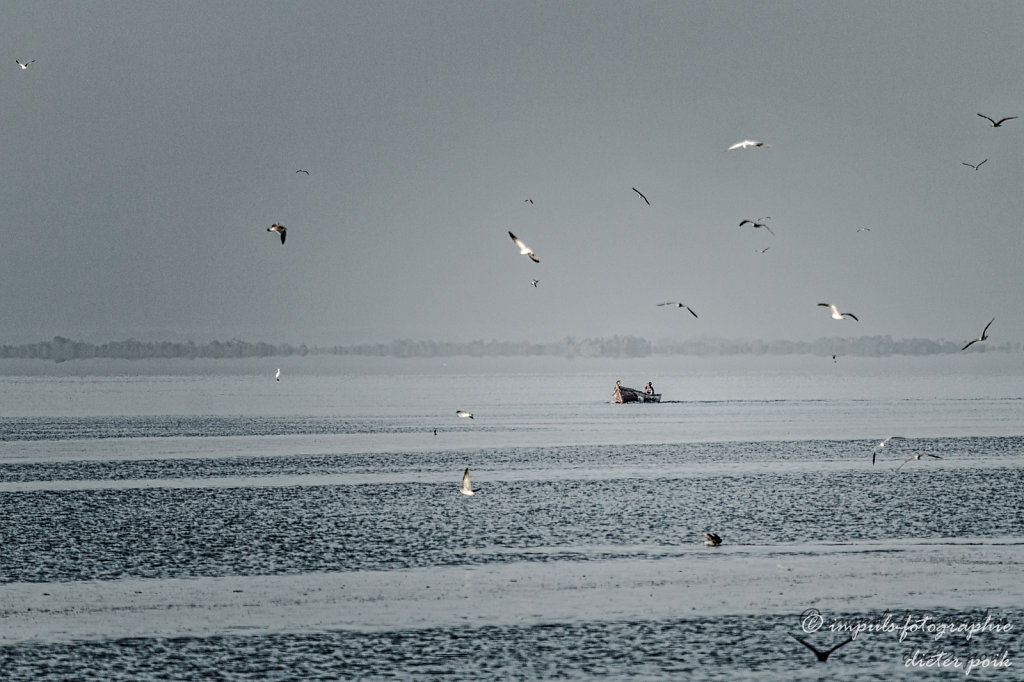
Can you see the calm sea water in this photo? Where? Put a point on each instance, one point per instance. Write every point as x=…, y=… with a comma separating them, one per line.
x=336, y=489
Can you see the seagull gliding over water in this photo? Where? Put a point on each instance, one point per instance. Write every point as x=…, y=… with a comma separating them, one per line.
x=881, y=445
x=463, y=414
x=822, y=655
x=917, y=455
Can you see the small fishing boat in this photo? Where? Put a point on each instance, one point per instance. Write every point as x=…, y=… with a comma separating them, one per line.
x=633, y=395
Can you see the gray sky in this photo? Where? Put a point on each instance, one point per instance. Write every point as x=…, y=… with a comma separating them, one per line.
x=150, y=145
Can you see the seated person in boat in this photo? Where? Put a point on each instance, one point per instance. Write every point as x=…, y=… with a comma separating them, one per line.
x=650, y=389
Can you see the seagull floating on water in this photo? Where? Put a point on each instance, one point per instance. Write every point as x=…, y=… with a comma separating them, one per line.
x=523, y=248
x=822, y=655
x=680, y=305
x=712, y=540
x=760, y=222
x=917, y=455
x=464, y=414
x=972, y=165
x=467, y=489
x=984, y=335
x=280, y=229
x=642, y=196
x=874, y=453
x=748, y=143
x=278, y=374
x=836, y=315
x=991, y=122
x=23, y=65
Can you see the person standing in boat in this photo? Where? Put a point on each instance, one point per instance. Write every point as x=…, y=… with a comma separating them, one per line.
x=650, y=388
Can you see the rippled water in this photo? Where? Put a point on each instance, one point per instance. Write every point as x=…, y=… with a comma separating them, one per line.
x=282, y=491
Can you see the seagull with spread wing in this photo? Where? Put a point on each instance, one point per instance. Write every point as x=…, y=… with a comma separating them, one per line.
x=984, y=335
x=642, y=196
x=836, y=315
x=822, y=654
x=523, y=248
x=748, y=143
x=467, y=488
x=971, y=165
x=280, y=229
x=679, y=305
x=760, y=222
x=992, y=123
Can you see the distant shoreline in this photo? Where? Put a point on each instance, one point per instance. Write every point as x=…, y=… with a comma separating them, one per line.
x=61, y=349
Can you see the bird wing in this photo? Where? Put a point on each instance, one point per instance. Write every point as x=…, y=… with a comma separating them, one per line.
x=843, y=643
x=805, y=643
x=744, y=222
x=1005, y=118
x=987, y=118
x=970, y=343
x=984, y=332
x=641, y=195
x=851, y=315
x=691, y=310
x=979, y=165
x=465, y=480
x=768, y=228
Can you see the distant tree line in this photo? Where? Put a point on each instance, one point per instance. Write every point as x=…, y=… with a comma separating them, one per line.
x=61, y=349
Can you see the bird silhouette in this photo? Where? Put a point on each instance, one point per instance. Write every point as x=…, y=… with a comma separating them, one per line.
x=822, y=655
x=984, y=335
x=972, y=165
x=642, y=196
x=679, y=305
x=993, y=123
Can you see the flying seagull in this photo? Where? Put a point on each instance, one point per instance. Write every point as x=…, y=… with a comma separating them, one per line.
x=747, y=143
x=302, y=171
x=25, y=65
x=759, y=223
x=868, y=229
x=467, y=488
x=523, y=248
x=464, y=414
x=642, y=196
x=972, y=165
x=917, y=455
x=836, y=315
x=874, y=453
x=712, y=540
x=822, y=655
x=680, y=305
x=984, y=335
x=991, y=122
x=280, y=229
x=534, y=282
x=278, y=374
x=528, y=201
x=764, y=250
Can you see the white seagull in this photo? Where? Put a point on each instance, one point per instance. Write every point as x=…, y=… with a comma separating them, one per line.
x=972, y=165
x=748, y=143
x=874, y=453
x=464, y=414
x=523, y=248
x=280, y=229
x=712, y=539
x=23, y=65
x=821, y=654
x=278, y=374
x=991, y=122
x=680, y=305
x=917, y=455
x=642, y=196
x=467, y=488
x=836, y=315
x=760, y=222
x=984, y=335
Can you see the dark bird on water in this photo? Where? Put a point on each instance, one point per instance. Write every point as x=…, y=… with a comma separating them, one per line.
x=984, y=335
x=991, y=122
x=280, y=229
x=642, y=196
x=712, y=539
x=822, y=655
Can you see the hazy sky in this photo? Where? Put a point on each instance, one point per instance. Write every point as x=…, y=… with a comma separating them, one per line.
x=151, y=144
